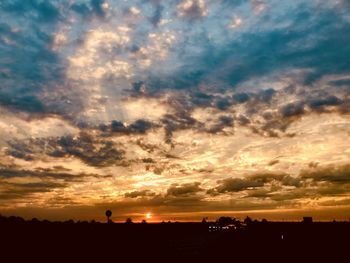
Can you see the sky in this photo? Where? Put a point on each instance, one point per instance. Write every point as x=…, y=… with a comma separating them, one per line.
x=181, y=109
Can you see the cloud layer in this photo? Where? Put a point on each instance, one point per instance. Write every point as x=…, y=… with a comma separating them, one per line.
x=174, y=106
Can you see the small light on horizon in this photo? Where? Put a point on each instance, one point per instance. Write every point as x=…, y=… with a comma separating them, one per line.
x=148, y=215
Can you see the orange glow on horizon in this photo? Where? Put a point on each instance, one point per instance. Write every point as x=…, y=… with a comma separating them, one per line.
x=148, y=215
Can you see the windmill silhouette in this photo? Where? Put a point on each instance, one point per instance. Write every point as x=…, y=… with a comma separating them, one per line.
x=108, y=214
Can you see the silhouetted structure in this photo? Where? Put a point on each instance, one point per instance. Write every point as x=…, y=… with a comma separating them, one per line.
x=128, y=221
x=248, y=220
x=108, y=214
x=307, y=219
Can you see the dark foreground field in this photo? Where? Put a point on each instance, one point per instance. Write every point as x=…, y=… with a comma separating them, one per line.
x=175, y=242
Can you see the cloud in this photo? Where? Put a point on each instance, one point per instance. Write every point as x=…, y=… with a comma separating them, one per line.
x=13, y=191
x=181, y=120
x=314, y=183
x=319, y=103
x=292, y=109
x=236, y=185
x=192, y=9
x=18, y=185
x=56, y=173
x=13, y=188
x=99, y=7
x=223, y=122
x=84, y=147
x=44, y=11
x=157, y=15
x=184, y=189
x=142, y=193
x=241, y=97
x=330, y=174
x=139, y=126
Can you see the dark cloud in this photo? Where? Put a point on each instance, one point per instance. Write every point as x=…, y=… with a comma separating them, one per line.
x=41, y=173
x=138, y=127
x=319, y=103
x=202, y=99
x=242, y=120
x=102, y=153
x=222, y=122
x=179, y=121
x=31, y=66
x=292, y=109
x=150, y=148
x=157, y=15
x=97, y=7
x=142, y=193
x=223, y=103
x=313, y=183
x=139, y=86
x=241, y=97
x=254, y=105
x=341, y=82
x=44, y=11
x=87, y=148
x=81, y=8
x=184, y=189
x=262, y=103
x=273, y=162
x=20, y=150
x=26, y=103
x=237, y=185
x=12, y=191
x=266, y=95
x=252, y=182
x=46, y=180
x=117, y=126
x=340, y=175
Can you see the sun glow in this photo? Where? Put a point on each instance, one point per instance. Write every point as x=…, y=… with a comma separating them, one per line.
x=148, y=215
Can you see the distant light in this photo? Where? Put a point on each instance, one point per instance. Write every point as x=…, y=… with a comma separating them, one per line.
x=148, y=215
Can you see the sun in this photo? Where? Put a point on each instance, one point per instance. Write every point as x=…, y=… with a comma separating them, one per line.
x=148, y=215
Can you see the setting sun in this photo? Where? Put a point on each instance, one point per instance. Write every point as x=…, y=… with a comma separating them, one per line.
x=148, y=215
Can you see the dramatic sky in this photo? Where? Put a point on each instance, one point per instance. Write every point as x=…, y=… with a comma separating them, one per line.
x=179, y=108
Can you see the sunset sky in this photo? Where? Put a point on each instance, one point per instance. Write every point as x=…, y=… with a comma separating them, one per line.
x=180, y=109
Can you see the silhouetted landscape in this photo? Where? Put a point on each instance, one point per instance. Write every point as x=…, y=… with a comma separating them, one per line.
x=226, y=238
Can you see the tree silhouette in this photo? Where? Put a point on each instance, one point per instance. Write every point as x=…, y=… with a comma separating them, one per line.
x=108, y=214
x=128, y=221
x=248, y=220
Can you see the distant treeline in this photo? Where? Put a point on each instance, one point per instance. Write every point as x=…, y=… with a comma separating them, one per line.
x=223, y=221
x=226, y=238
